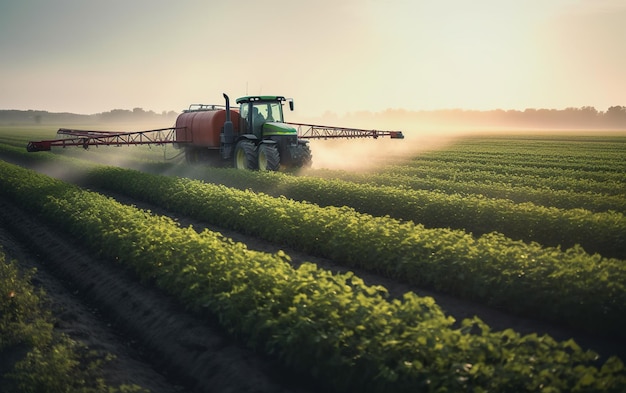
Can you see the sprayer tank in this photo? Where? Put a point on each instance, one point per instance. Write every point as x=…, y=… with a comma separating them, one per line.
x=203, y=127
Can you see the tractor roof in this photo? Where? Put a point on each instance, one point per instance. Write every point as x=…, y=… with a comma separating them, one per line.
x=259, y=98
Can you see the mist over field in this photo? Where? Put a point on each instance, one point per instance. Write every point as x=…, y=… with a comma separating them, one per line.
x=366, y=154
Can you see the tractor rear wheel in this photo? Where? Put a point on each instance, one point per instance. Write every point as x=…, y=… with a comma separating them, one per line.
x=268, y=157
x=306, y=157
x=245, y=155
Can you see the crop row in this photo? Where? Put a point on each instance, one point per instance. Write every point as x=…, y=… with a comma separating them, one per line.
x=496, y=173
x=602, y=153
x=518, y=160
x=602, y=232
x=333, y=327
x=571, y=286
x=507, y=163
x=35, y=357
x=560, y=161
x=286, y=184
x=542, y=195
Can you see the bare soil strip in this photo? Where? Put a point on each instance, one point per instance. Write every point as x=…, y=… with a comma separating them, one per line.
x=184, y=349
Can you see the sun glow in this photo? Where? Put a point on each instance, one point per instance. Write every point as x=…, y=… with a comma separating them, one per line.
x=417, y=55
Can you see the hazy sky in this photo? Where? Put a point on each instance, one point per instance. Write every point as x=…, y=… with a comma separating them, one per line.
x=90, y=56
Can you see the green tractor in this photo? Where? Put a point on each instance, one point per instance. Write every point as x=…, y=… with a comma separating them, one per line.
x=264, y=141
x=255, y=136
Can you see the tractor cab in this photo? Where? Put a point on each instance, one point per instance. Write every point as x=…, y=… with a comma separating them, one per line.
x=259, y=114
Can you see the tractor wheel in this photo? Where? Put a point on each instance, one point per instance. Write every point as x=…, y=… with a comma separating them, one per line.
x=245, y=155
x=307, y=157
x=269, y=158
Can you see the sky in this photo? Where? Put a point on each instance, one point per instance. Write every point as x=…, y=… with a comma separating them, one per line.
x=331, y=56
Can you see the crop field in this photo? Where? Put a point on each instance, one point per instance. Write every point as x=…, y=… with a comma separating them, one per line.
x=491, y=262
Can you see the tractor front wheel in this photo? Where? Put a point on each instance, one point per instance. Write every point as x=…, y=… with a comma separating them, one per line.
x=245, y=155
x=268, y=157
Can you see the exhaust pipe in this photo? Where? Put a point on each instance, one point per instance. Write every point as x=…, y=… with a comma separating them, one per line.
x=228, y=133
x=227, y=106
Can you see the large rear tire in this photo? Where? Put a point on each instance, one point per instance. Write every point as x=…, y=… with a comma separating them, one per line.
x=307, y=157
x=268, y=157
x=245, y=155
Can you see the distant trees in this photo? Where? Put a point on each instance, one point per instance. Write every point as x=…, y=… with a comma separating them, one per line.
x=586, y=117
x=137, y=114
x=616, y=116
x=115, y=115
x=30, y=116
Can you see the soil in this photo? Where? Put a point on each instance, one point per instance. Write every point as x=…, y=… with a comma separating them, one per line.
x=161, y=347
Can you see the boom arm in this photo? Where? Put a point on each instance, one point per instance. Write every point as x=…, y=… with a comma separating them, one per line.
x=311, y=131
x=86, y=138
x=161, y=136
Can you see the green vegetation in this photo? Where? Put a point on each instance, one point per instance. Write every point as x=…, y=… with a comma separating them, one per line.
x=572, y=287
x=601, y=232
x=586, y=291
x=331, y=326
x=36, y=358
x=480, y=219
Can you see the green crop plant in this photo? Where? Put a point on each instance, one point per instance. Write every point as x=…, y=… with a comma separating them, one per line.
x=331, y=326
x=570, y=286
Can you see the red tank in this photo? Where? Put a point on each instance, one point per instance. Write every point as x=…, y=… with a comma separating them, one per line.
x=203, y=127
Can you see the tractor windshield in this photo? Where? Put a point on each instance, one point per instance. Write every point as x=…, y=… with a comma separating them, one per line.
x=271, y=111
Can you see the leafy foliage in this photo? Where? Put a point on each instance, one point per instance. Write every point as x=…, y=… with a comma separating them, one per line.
x=331, y=326
x=571, y=286
x=52, y=362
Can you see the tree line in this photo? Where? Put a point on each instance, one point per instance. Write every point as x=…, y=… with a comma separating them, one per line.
x=586, y=117
x=112, y=116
